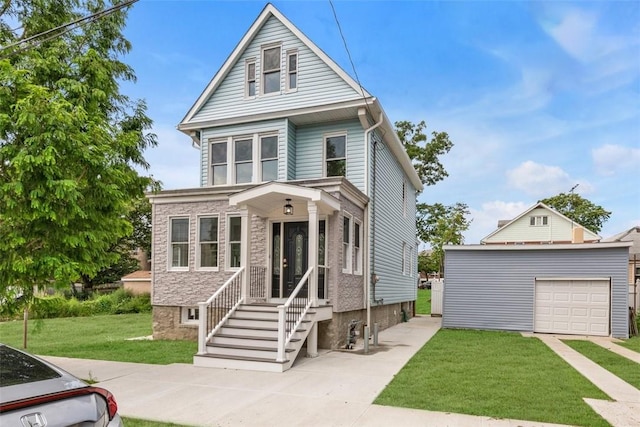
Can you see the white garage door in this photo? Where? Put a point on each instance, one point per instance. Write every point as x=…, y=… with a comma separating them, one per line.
x=572, y=306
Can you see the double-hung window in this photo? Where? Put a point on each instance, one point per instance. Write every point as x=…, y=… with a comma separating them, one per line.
x=271, y=70
x=250, y=71
x=243, y=157
x=208, y=242
x=179, y=241
x=234, y=236
x=357, y=248
x=335, y=155
x=269, y=158
x=346, y=244
x=292, y=70
x=219, y=162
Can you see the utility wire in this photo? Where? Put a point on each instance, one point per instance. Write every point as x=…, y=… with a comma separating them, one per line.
x=36, y=39
x=344, y=41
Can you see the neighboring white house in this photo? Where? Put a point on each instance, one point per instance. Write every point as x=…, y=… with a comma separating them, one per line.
x=307, y=202
x=540, y=224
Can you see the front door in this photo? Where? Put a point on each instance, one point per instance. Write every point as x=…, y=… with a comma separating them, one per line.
x=290, y=257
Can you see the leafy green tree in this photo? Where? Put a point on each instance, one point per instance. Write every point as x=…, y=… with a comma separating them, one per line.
x=70, y=145
x=427, y=262
x=140, y=239
x=441, y=225
x=424, y=152
x=580, y=210
x=436, y=224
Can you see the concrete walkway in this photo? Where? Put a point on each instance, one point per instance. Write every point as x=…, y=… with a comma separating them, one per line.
x=625, y=410
x=335, y=389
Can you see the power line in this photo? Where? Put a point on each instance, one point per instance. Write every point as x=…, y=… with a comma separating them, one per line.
x=35, y=40
x=355, y=72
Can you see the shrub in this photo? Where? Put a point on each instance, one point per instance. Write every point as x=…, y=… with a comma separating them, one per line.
x=118, y=302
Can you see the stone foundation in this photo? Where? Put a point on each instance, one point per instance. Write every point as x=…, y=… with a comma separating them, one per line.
x=167, y=326
x=331, y=333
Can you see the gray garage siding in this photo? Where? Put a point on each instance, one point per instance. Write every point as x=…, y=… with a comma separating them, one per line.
x=491, y=288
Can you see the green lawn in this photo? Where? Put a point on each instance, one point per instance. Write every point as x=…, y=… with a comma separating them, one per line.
x=632, y=344
x=423, y=305
x=98, y=337
x=620, y=366
x=495, y=374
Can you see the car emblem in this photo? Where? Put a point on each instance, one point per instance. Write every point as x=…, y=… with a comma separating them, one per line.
x=34, y=420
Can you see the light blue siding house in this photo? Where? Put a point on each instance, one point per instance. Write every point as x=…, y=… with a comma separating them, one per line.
x=305, y=217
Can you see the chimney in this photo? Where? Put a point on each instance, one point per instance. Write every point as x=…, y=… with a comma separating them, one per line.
x=578, y=235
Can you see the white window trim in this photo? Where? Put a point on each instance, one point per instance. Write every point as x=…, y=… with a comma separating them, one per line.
x=212, y=141
x=539, y=220
x=184, y=315
x=358, y=258
x=348, y=252
x=324, y=150
x=411, y=259
x=170, y=266
x=234, y=139
x=258, y=146
x=198, y=243
x=405, y=259
x=289, y=53
x=227, y=243
x=255, y=78
x=262, y=72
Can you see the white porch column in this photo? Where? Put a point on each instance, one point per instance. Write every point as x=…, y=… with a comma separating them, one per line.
x=245, y=250
x=312, y=208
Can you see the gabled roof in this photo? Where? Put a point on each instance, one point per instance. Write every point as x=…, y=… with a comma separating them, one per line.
x=268, y=11
x=536, y=206
x=630, y=235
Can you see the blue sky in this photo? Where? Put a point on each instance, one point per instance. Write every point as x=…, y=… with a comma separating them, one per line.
x=536, y=96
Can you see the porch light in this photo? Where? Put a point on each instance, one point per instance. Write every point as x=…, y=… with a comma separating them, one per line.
x=288, y=208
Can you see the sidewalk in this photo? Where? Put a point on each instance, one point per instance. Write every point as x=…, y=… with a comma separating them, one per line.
x=335, y=389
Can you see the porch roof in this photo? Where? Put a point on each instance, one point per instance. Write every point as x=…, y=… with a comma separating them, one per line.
x=270, y=197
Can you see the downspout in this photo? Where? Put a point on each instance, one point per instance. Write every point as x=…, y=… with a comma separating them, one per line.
x=368, y=218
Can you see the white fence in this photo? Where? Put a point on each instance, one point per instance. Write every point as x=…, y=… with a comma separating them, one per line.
x=437, y=288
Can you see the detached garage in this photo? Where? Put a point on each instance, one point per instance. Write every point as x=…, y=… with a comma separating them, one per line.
x=578, y=289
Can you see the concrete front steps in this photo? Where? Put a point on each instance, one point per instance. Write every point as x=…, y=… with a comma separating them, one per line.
x=249, y=339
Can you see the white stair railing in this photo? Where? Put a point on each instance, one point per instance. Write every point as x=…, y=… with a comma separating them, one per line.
x=218, y=308
x=292, y=313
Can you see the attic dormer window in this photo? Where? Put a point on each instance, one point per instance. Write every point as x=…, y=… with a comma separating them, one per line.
x=271, y=70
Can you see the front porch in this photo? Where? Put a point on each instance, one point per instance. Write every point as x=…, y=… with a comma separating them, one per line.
x=261, y=317
x=221, y=255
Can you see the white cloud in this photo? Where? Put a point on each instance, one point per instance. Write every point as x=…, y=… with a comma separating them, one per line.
x=485, y=219
x=609, y=158
x=539, y=180
x=574, y=33
x=174, y=161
